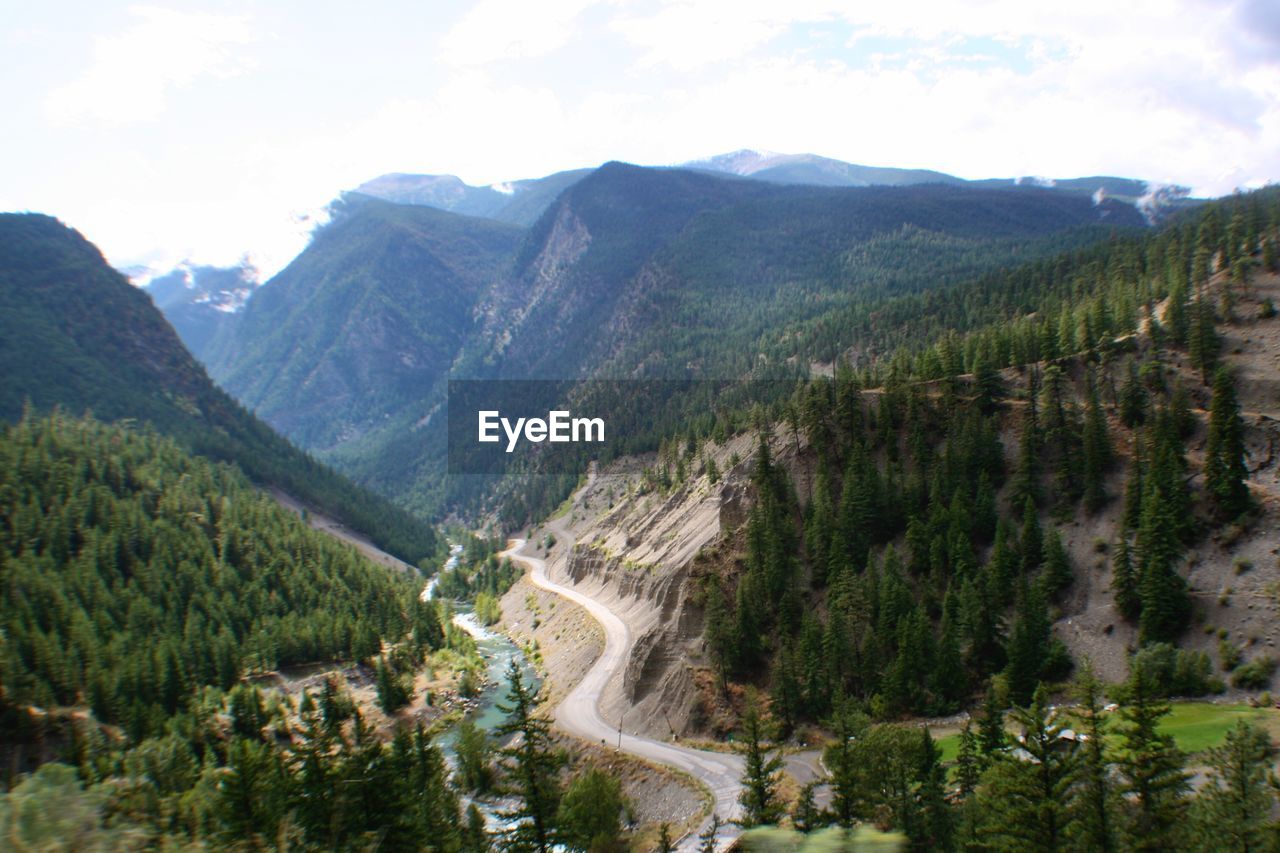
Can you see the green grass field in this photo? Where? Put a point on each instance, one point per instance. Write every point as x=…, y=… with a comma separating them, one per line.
x=1196, y=726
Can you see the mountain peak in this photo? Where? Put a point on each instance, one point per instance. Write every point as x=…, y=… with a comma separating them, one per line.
x=744, y=161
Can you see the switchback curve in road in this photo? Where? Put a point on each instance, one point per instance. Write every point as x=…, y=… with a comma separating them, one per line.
x=579, y=713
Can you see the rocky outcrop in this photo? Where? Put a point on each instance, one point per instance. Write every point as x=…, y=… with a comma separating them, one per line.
x=635, y=551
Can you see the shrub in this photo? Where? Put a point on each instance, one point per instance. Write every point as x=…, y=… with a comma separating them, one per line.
x=1228, y=655
x=1181, y=672
x=1256, y=674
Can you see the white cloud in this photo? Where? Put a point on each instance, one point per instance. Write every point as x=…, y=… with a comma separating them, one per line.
x=688, y=36
x=133, y=72
x=1152, y=90
x=1183, y=91
x=511, y=29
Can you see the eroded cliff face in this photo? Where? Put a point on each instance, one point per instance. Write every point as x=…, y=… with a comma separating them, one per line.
x=635, y=550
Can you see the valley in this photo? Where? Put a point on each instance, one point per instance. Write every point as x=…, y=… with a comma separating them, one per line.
x=639, y=427
x=944, y=468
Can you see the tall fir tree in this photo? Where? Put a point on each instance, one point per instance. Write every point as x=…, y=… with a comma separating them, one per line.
x=1204, y=341
x=1152, y=768
x=1028, y=645
x=1095, y=801
x=992, y=738
x=1133, y=398
x=1057, y=575
x=534, y=768
x=1096, y=449
x=1029, y=799
x=761, y=772
x=1233, y=811
x=1166, y=606
x=1032, y=539
x=1225, y=473
x=1124, y=581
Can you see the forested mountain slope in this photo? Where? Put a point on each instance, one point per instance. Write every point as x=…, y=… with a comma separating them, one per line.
x=365, y=321
x=74, y=333
x=630, y=272
x=137, y=574
x=144, y=592
x=1094, y=474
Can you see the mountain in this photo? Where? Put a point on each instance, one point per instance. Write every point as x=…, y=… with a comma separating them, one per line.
x=517, y=202
x=630, y=272
x=75, y=333
x=681, y=273
x=813, y=169
x=523, y=202
x=198, y=299
x=368, y=318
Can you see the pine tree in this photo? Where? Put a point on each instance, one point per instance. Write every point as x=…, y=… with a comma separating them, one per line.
x=474, y=757
x=1025, y=487
x=762, y=771
x=1032, y=539
x=1028, y=802
x=1124, y=582
x=950, y=681
x=992, y=738
x=1134, y=488
x=1166, y=606
x=428, y=805
x=1094, y=825
x=1060, y=436
x=1225, y=473
x=392, y=692
x=719, y=633
x=1028, y=645
x=1233, y=810
x=968, y=762
x=1151, y=768
x=475, y=838
x=936, y=826
x=988, y=386
x=1096, y=450
x=533, y=768
x=849, y=726
x=806, y=816
x=818, y=527
x=1176, y=313
x=1133, y=398
x=1057, y=574
x=787, y=696
x=1004, y=566
x=589, y=817
x=251, y=794
x=1204, y=343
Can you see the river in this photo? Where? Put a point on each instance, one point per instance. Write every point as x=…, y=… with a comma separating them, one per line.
x=497, y=652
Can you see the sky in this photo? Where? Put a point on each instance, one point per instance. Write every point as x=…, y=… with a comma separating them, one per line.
x=219, y=130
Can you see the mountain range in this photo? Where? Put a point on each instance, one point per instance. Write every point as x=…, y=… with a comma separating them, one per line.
x=198, y=299
x=627, y=272
x=522, y=202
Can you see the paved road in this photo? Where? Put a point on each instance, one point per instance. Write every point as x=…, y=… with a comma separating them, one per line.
x=579, y=713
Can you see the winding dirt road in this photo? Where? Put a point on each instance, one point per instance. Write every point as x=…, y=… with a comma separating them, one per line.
x=579, y=713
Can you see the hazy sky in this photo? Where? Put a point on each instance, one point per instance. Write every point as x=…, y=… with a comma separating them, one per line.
x=207, y=130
